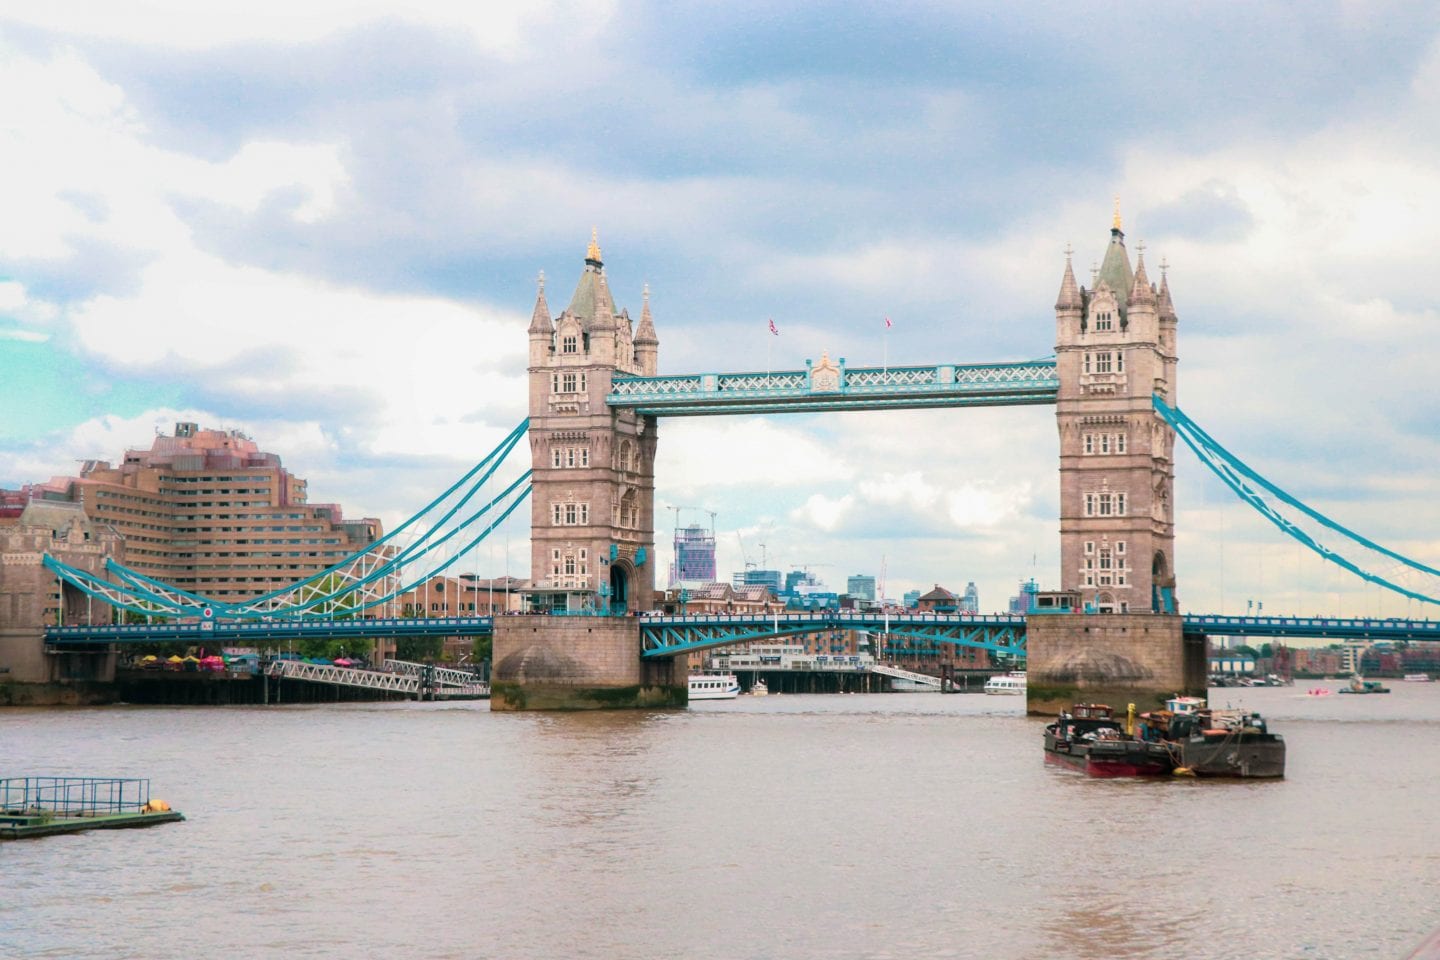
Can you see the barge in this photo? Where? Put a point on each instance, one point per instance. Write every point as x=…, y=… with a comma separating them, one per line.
x=45, y=806
x=1186, y=738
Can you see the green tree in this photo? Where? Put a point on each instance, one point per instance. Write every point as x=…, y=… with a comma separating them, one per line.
x=419, y=648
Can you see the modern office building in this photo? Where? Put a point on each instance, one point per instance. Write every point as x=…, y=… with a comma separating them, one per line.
x=861, y=587
x=694, y=556
x=762, y=578
x=970, y=603
x=209, y=512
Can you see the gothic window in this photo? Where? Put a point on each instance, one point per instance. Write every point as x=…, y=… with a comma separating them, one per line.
x=1104, y=321
x=1087, y=363
x=582, y=382
x=1105, y=504
x=1089, y=546
x=627, y=455
x=1119, y=361
x=1119, y=504
x=569, y=565
x=571, y=514
x=1104, y=443
x=569, y=344
x=554, y=383
x=1119, y=546
x=1089, y=443
x=569, y=456
x=556, y=514
x=584, y=456
x=1119, y=443
x=567, y=383
x=555, y=563
x=584, y=513
x=555, y=457
x=1107, y=560
x=1089, y=504
x=629, y=509
x=583, y=566
x=1102, y=362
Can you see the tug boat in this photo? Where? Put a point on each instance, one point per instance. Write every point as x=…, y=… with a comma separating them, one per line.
x=1186, y=738
x=1091, y=739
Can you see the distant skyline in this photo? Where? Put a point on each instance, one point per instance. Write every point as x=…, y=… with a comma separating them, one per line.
x=325, y=230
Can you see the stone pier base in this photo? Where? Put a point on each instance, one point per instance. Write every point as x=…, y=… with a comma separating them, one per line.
x=1119, y=659
x=580, y=663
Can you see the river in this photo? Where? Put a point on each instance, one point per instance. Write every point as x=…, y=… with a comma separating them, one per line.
x=841, y=826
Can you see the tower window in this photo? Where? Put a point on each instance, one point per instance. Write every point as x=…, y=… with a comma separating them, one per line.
x=1089, y=443
x=1119, y=443
x=569, y=344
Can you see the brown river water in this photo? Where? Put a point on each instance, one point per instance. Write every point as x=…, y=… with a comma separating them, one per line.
x=842, y=826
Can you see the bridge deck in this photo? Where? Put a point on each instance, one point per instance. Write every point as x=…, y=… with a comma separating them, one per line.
x=839, y=388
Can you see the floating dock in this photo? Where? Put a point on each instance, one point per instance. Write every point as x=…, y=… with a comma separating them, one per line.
x=45, y=806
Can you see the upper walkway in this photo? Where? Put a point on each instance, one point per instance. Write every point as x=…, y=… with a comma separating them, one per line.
x=831, y=386
x=664, y=635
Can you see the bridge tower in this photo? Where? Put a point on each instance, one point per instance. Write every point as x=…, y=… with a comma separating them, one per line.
x=1115, y=347
x=592, y=492
x=592, y=520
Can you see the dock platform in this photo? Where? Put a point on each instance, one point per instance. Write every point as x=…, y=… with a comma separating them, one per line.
x=46, y=806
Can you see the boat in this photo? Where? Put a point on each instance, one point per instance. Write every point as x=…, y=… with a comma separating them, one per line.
x=759, y=689
x=1358, y=685
x=1419, y=677
x=1216, y=743
x=1186, y=738
x=1010, y=684
x=1089, y=738
x=714, y=686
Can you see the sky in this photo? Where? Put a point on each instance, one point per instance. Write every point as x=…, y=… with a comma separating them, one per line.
x=322, y=224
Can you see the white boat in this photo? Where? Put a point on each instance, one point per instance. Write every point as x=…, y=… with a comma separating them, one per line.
x=1011, y=684
x=714, y=686
x=759, y=689
x=1418, y=677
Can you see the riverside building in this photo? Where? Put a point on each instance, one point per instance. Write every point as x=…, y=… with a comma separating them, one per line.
x=209, y=512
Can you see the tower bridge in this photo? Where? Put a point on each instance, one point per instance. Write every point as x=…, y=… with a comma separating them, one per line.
x=596, y=401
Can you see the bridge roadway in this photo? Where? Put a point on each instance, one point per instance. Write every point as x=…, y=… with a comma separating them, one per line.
x=665, y=635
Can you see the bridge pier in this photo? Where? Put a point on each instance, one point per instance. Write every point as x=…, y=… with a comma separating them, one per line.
x=1139, y=658
x=580, y=663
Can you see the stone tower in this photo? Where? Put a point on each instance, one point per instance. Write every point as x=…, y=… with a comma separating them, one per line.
x=592, y=492
x=1115, y=347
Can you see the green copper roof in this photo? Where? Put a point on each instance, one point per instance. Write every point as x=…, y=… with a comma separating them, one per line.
x=1115, y=270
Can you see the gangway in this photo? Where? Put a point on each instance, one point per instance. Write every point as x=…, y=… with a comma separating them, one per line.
x=411, y=684
x=923, y=679
x=444, y=676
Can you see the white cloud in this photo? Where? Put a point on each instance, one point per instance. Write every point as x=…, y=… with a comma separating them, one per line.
x=493, y=26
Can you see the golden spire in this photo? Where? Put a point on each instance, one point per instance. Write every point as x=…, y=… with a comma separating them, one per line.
x=1116, y=222
x=593, y=251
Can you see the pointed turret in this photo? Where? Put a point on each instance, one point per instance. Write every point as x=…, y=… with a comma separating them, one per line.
x=647, y=344
x=1166, y=305
x=1141, y=293
x=540, y=321
x=1069, y=298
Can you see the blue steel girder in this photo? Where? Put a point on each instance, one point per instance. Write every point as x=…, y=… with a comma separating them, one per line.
x=1319, y=628
x=248, y=632
x=668, y=636
x=839, y=388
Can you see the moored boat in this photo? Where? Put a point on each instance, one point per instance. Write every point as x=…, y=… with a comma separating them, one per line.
x=1010, y=684
x=759, y=689
x=1187, y=737
x=1089, y=738
x=1358, y=685
x=1419, y=677
x=714, y=686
